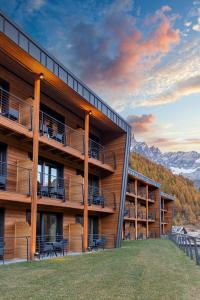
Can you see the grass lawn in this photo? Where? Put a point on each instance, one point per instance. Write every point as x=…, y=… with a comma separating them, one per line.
x=149, y=269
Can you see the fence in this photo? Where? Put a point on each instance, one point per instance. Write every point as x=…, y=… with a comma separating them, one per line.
x=190, y=245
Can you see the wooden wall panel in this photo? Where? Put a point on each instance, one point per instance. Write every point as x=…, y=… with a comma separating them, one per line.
x=113, y=183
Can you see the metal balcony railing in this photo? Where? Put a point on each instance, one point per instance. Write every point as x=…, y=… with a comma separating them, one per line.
x=141, y=193
x=130, y=188
x=14, y=178
x=152, y=215
x=100, y=241
x=15, y=109
x=99, y=152
x=141, y=214
x=60, y=132
x=189, y=244
x=101, y=197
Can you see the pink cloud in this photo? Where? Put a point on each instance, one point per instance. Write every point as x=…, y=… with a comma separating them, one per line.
x=141, y=124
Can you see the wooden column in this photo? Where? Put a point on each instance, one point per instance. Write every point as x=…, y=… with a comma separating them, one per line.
x=35, y=165
x=85, y=215
x=136, y=224
x=147, y=210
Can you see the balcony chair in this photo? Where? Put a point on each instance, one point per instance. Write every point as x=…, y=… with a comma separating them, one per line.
x=44, y=130
x=44, y=249
x=59, y=137
x=140, y=236
x=61, y=246
x=43, y=191
x=127, y=213
x=57, y=192
x=101, y=242
x=11, y=113
x=2, y=245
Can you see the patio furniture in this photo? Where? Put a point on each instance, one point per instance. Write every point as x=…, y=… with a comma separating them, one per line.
x=57, y=192
x=11, y=113
x=58, y=137
x=60, y=247
x=98, y=243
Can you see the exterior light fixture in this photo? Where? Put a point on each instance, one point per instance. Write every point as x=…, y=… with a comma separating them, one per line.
x=41, y=76
x=90, y=112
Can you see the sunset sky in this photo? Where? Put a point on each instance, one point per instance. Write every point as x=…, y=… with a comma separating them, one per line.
x=142, y=57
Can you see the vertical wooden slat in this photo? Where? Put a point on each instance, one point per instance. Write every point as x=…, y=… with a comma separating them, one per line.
x=35, y=165
x=85, y=215
x=147, y=210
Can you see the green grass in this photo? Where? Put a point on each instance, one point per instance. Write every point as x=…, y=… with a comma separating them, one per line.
x=150, y=269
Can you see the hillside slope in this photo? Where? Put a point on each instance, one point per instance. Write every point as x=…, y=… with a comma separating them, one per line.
x=187, y=203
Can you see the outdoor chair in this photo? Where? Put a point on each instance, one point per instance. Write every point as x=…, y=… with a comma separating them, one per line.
x=57, y=137
x=61, y=246
x=57, y=192
x=2, y=182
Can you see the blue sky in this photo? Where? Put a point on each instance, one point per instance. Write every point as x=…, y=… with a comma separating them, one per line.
x=142, y=57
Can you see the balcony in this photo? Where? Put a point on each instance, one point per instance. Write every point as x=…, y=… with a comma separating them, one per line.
x=15, y=182
x=141, y=214
x=152, y=215
x=101, y=197
x=131, y=188
x=100, y=153
x=61, y=135
x=14, y=110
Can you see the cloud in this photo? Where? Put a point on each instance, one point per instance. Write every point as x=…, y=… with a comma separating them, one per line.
x=184, y=88
x=112, y=54
x=141, y=124
x=34, y=5
x=196, y=27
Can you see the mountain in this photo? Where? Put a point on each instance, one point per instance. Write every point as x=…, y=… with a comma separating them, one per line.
x=187, y=197
x=180, y=162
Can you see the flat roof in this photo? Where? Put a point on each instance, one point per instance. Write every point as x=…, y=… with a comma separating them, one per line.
x=167, y=196
x=25, y=42
x=143, y=178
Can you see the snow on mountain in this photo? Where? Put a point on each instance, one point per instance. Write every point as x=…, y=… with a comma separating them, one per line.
x=180, y=162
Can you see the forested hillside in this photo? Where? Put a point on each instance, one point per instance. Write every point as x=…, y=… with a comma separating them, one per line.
x=187, y=203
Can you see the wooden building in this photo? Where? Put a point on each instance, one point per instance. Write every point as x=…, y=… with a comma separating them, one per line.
x=167, y=210
x=143, y=211
x=64, y=152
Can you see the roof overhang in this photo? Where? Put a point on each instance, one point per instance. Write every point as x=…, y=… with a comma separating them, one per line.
x=23, y=50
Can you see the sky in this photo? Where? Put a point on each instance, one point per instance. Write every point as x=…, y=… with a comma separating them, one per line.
x=142, y=57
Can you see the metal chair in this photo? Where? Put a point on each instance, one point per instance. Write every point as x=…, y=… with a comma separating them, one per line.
x=2, y=246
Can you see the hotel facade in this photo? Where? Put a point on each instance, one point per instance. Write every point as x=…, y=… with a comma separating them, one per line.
x=64, y=156
x=64, y=152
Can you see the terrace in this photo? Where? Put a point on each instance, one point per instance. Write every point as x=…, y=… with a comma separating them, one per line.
x=53, y=133
x=15, y=182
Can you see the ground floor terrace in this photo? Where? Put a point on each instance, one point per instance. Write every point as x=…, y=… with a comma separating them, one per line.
x=59, y=232
x=146, y=269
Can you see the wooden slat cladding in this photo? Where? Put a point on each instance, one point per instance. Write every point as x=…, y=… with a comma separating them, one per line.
x=113, y=183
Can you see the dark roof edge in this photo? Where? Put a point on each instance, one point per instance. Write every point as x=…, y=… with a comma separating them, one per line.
x=143, y=178
x=165, y=195
x=57, y=66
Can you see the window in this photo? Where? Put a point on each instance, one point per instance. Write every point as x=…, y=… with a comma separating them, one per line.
x=49, y=225
x=50, y=179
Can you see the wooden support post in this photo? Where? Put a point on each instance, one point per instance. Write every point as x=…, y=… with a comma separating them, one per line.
x=136, y=224
x=147, y=210
x=35, y=165
x=85, y=215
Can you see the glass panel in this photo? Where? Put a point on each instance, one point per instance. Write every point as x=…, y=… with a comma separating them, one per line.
x=1, y=23
x=43, y=58
x=53, y=178
x=11, y=31
x=50, y=64
x=23, y=42
x=70, y=81
x=34, y=51
x=46, y=176
x=49, y=227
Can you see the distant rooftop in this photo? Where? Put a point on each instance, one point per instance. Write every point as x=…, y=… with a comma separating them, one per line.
x=143, y=178
x=18, y=36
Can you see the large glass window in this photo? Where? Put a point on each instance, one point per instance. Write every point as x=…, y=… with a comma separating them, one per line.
x=50, y=179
